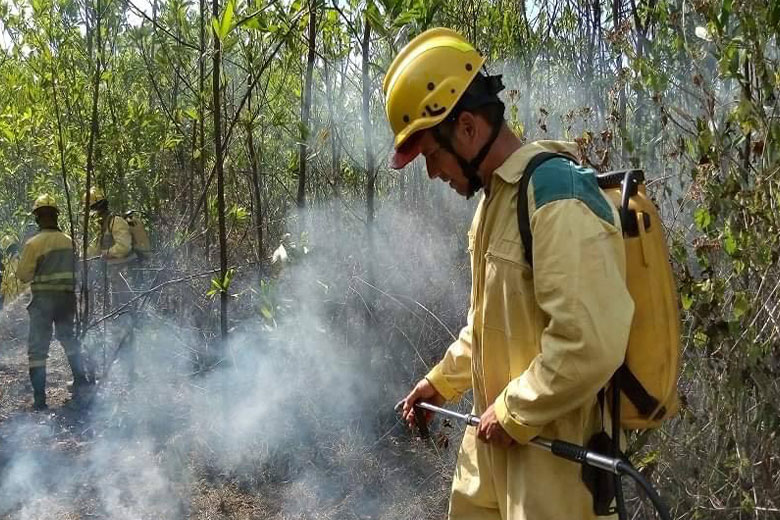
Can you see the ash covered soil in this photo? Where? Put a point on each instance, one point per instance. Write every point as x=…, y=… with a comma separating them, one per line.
x=166, y=447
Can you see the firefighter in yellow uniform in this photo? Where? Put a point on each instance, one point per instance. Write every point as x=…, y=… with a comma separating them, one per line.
x=114, y=244
x=47, y=263
x=540, y=342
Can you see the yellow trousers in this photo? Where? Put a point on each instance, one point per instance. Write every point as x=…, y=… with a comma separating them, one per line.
x=493, y=483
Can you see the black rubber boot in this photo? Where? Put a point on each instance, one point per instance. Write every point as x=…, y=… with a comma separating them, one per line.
x=81, y=388
x=38, y=380
x=79, y=376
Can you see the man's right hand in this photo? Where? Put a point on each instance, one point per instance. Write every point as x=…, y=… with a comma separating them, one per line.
x=422, y=391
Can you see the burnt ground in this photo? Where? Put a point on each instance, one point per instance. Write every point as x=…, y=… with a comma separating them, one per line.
x=57, y=464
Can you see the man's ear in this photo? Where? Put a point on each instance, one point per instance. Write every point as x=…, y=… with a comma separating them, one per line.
x=467, y=126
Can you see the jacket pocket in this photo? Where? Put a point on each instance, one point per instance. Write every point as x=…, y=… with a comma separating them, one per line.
x=509, y=305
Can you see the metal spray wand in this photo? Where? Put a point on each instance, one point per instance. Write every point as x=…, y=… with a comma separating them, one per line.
x=559, y=448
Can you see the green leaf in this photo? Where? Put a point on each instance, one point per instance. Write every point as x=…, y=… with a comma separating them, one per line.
x=729, y=242
x=227, y=20
x=238, y=214
x=687, y=301
x=702, y=218
x=725, y=11
x=218, y=286
x=253, y=23
x=375, y=19
x=228, y=279
x=215, y=289
x=741, y=305
x=7, y=132
x=649, y=458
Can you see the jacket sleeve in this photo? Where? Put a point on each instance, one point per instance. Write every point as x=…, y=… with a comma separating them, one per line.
x=451, y=377
x=123, y=242
x=579, y=278
x=25, y=271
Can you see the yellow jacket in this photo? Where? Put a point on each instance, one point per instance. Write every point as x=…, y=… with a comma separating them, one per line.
x=539, y=344
x=47, y=262
x=115, y=238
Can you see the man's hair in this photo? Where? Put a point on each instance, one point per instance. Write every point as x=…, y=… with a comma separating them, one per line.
x=101, y=205
x=481, y=99
x=492, y=113
x=47, y=216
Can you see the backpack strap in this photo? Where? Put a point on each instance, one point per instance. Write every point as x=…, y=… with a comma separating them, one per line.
x=523, y=220
x=636, y=393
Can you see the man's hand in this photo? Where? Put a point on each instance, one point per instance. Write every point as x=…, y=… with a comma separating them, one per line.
x=491, y=431
x=422, y=391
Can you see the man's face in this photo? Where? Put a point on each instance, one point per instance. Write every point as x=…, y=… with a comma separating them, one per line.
x=443, y=165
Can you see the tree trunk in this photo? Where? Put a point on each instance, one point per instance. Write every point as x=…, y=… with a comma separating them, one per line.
x=748, y=95
x=91, y=146
x=639, y=112
x=201, y=124
x=622, y=124
x=254, y=167
x=335, y=159
x=64, y=173
x=370, y=168
x=306, y=106
x=217, y=111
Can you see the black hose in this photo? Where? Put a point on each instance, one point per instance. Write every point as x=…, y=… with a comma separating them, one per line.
x=581, y=455
x=627, y=469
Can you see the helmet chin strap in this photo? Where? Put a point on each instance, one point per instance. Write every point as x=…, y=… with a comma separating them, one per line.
x=470, y=168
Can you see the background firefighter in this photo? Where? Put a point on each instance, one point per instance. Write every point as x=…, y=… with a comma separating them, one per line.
x=114, y=244
x=47, y=263
x=541, y=340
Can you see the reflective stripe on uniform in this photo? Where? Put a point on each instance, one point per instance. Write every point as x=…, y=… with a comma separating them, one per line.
x=54, y=271
x=38, y=287
x=52, y=277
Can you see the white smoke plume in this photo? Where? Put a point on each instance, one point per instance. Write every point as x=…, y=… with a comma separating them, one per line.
x=297, y=419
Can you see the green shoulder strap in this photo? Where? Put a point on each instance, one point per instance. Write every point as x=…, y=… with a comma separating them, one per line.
x=523, y=220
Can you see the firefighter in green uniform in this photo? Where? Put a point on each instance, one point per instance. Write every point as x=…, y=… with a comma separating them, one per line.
x=47, y=263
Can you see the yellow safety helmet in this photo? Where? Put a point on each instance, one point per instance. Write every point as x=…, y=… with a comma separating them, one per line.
x=95, y=195
x=424, y=83
x=44, y=200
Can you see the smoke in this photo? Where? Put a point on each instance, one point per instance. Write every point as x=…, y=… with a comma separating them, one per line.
x=296, y=421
